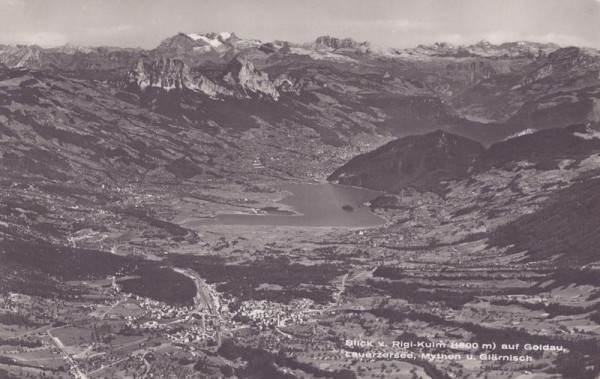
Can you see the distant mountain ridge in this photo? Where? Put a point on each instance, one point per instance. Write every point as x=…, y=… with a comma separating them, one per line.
x=67, y=57
x=339, y=43
x=228, y=43
x=520, y=49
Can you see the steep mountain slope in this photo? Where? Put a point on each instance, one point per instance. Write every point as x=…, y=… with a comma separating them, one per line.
x=241, y=73
x=423, y=162
x=564, y=227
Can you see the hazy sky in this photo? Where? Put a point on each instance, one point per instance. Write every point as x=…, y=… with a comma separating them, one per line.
x=387, y=23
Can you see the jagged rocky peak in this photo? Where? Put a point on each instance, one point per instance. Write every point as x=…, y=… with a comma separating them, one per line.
x=339, y=43
x=21, y=56
x=241, y=72
x=169, y=74
x=180, y=43
x=240, y=78
x=165, y=73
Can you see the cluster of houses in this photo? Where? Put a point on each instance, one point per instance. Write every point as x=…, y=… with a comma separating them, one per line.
x=187, y=335
x=158, y=310
x=263, y=314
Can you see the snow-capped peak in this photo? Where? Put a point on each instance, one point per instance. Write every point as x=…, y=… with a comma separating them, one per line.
x=214, y=42
x=225, y=35
x=195, y=36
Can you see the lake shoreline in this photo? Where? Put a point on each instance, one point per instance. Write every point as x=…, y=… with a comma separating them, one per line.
x=321, y=205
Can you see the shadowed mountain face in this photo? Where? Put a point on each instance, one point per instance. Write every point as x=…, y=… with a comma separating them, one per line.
x=422, y=162
x=545, y=149
x=565, y=226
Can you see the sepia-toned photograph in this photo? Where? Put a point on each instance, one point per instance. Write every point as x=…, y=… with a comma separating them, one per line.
x=279, y=189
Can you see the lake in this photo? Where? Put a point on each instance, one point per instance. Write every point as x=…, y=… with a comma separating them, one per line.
x=317, y=205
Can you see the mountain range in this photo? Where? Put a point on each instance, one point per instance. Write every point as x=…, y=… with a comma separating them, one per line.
x=468, y=90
